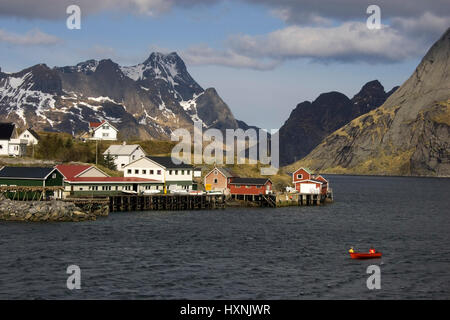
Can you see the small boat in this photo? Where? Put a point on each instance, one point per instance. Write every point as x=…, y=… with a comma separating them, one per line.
x=365, y=255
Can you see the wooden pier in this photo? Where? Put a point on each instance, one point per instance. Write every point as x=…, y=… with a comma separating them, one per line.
x=261, y=200
x=165, y=202
x=303, y=199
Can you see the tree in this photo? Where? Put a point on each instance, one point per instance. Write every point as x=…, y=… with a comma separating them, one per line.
x=108, y=162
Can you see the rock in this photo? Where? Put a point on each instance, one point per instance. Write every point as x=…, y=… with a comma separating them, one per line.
x=408, y=135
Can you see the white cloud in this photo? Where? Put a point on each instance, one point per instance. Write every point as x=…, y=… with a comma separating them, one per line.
x=56, y=9
x=32, y=37
x=204, y=55
x=426, y=24
x=348, y=41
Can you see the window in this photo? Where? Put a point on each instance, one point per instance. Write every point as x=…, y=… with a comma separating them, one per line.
x=129, y=171
x=176, y=172
x=299, y=176
x=133, y=157
x=215, y=180
x=215, y=172
x=106, y=127
x=105, y=134
x=170, y=172
x=188, y=171
x=136, y=171
x=152, y=171
x=54, y=176
x=159, y=171
x=144, y=171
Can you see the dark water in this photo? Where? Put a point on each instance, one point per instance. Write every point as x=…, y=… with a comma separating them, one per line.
x=287, y=253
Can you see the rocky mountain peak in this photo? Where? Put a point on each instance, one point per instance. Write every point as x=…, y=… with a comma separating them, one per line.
x=370, y=88
x=150, y=99
x=310, y=122
x=409, y=134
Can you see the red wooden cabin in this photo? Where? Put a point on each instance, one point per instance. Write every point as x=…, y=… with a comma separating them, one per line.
x=307, y=183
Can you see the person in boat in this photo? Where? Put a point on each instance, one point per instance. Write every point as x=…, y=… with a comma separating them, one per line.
x=351, y=250
x=372, y=250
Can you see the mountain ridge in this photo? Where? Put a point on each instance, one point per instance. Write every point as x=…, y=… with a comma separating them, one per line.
x=147, y=100
x=310, y=122
x=408, y=135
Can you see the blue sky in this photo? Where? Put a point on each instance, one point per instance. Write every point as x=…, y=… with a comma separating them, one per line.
x=262, y=57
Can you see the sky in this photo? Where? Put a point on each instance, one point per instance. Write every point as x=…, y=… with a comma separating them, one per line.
x=263, y=57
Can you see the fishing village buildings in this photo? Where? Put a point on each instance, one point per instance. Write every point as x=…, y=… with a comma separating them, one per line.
x=138, y=174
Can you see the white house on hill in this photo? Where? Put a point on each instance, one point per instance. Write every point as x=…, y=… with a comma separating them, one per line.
x=30, y=136
x=102, y=131
x=124, y=153
x=10, y=144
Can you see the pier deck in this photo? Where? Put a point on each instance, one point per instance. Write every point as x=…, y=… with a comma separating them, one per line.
x=165, y=202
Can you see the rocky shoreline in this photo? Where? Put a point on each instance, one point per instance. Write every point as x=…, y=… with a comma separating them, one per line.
x=46, y=211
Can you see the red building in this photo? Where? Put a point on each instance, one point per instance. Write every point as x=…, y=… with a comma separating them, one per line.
x=218, y=179
x=306, y=183
x=250, y=186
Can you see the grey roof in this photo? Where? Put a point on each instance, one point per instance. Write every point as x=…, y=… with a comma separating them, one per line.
x=39, y=173
x=167, y=162
x=6, y=130
x=252, y=181
x=121, y=150
x=226, y=172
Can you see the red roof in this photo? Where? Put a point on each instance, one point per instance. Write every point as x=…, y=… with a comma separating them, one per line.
x=69, y=171
x=111, y=179
x=95, y=124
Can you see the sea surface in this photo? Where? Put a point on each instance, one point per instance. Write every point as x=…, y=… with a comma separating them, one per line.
x=284, y=253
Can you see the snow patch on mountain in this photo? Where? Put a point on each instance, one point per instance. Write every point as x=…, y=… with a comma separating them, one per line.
x=16, y=94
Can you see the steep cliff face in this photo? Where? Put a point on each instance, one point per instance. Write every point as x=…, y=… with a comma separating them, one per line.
x=148, y=100
x=407, y=135
x=310, y=122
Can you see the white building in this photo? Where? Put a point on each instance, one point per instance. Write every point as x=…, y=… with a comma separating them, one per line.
x=10, y=144
x=174, y=177
x=30, y=136
x=123, y=154
x=102, y=131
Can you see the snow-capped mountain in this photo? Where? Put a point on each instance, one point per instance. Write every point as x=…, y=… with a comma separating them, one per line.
x=147, y=100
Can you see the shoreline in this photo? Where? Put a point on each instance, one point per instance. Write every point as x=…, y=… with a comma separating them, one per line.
x=48, y=211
